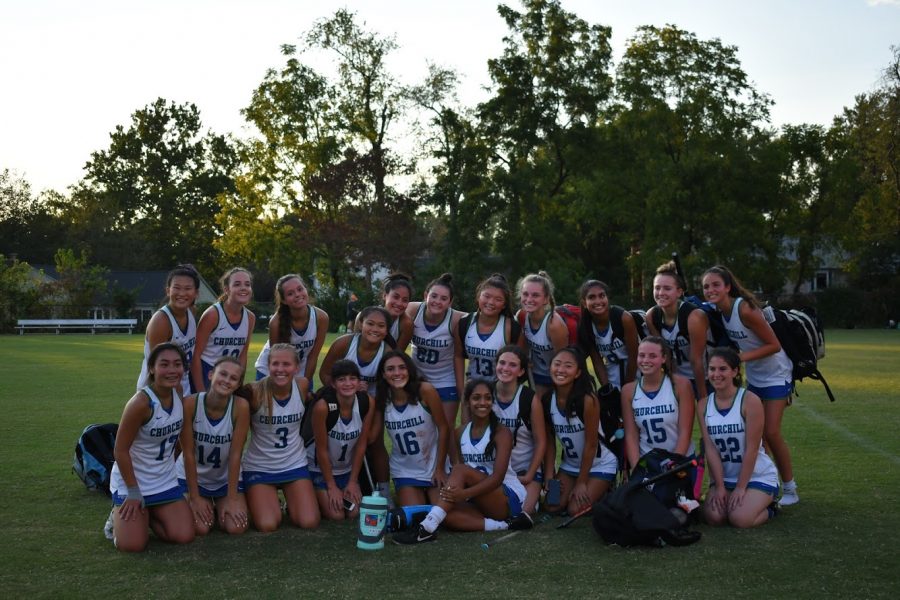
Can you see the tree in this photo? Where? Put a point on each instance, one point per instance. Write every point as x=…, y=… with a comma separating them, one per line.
x=79, y=287
x=30, y=226
x=17, y=292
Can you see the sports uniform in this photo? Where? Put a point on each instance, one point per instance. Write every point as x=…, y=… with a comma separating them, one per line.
x=368, y=371
x=679, y=343
x=541, y=348
x=727, y=431
x=342, y=440
x=570, y=433
x=151, y=455
x=212, y=445
x=302, y=340
x=432, y=353
x=523, y=439
x=473, y=454
x=613, y=351
x=227, y=339
x=773, y=371
x=186, y=339
x=414, y=444
x=481, y=349
x=394, y=329
x=275, y=453
x=656, y=415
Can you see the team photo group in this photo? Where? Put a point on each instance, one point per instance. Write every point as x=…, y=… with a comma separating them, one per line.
x=481, y=419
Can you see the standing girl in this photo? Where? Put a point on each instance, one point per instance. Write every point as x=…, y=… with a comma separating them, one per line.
x=657, y=408
x=174, y=323
x=743, y=479
x=608, y=334
x=225, y=327
x=275, y=456
x=545, y=332
x=145, y=489
x=296, y=322
x=211, y=444
x=396, y=294
x=587, y=469
x=521, y=412
x=491, y=327
x=434, y=342
x=769, y=370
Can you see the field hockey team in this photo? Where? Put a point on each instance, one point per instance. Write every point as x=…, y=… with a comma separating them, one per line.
x=530, y=419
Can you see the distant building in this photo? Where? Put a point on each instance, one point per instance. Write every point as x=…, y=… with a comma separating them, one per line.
x=829, y=273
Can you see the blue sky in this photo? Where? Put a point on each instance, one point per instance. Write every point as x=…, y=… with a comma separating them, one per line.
x=72, y=71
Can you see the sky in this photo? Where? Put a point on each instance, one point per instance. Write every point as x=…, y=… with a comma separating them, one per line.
x=72, y=71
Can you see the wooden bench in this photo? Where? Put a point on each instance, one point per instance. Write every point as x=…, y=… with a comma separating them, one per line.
x=59, y=324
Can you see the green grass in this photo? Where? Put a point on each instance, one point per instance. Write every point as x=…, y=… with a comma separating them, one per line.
x=839, y=541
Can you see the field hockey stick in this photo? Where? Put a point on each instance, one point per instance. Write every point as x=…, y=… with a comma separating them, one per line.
x=369, y=474
x=506, y=537
x=678, y=270
x=701, y=468
x=668, y=472
x=587, y=509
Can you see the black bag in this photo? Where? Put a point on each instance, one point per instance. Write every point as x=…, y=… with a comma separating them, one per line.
x=94, y=456
x=802, y=337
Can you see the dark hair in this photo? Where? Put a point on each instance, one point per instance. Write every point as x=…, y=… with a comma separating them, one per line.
x=735, y=288
x=583, y=384
x=185, y=270
x=364, y=314
x=344, y=367
x=225, y=280
x=664, y=348
x=227, y=359
x=159, y=349
x=499, y=282
x=493, y=420
x=731, y=358
x=283, y=310
x=396, y=280
x=585, y=331
x=671, y=269
x=383, y=389
x=520, y=353
x=446, y=280
x=542, y=278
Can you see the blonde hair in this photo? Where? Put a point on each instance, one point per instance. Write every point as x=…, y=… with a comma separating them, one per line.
x=266, y=388
x=542, y=278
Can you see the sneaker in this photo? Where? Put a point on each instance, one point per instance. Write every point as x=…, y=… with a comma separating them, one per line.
x=108, y=526
x=789, y=497
x=414, y=535
x=773, y=509
x=521, y=521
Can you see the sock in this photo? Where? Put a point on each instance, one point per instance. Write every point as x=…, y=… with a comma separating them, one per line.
x=789, y=486
x=434, y=518
x=492, y=525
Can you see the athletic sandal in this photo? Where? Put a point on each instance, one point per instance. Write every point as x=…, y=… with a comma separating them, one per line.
x=414, y=535
x=521, y=521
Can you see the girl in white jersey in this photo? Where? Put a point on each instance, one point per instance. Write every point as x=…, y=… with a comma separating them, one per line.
x=296, y=322
x=521, y=412
x=174, y=323
x=485, y=331
x=668, y=320
x=410, y=411
x=224, y=328
x=572, y=411
x=657, y=408
x=336, y=457
x=543, y=330
x=144, y=486
x=767, y=367
x=608, y=334
x=275, y=457
x=212, y=440
x=483, y=492
x=434, y=342
x=743, y=479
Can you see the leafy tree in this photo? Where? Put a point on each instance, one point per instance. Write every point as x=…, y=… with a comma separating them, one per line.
x=30, y=226
x=17, y=291
x=80, y=286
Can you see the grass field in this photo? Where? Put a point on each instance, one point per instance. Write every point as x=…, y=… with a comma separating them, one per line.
x=838, y=542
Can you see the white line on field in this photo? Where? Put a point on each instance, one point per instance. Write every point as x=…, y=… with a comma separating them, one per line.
x=855, y=438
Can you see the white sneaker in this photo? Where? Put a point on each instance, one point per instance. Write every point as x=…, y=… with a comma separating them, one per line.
x=108, y=526
x=789, y=497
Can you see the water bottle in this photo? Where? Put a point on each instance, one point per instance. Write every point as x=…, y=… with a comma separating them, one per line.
x=372, y=522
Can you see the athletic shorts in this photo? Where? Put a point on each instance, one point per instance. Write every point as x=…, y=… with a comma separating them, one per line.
x=448, y=394
x=543, y=380
x=319, y=482
x=513, y=501
x=173, y=494
x=401, y=482
x=255, y=477
x=772, y=392
x=592, y=475
x=755, y=485
x=219, y=492
x=539, y=476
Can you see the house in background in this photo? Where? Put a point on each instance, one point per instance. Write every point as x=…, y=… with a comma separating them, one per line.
x=829, y=273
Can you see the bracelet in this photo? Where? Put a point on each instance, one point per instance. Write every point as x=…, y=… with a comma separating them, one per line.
x=134, y=493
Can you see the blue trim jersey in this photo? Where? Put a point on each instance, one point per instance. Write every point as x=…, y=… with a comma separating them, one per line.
x=414, y=441
x=726, y=429
x=153, y=448
x=481, y=349
x=473, y=454
x=275, y=444
x=570, y=433
x=680, y=344
x=656, y=415
x=432, y=350
x=523, y=439
x=368, y=371
x=614, y=353
x=302, y=340
x=185, y=338
x=342, y=440
x=539, y=344
x=212, y=445
x=775, y=369
x=227, y=339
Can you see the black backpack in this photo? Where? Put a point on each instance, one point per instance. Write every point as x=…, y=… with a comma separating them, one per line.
x=328, y=394
x=94, y=456
x=802, y=337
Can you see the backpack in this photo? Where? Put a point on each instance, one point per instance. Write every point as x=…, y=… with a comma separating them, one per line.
x=611, y=420
x=800, y=333
x=526, y=399
x=328, y=394
x=637, y=314
x=94, y=456
x=716, y=337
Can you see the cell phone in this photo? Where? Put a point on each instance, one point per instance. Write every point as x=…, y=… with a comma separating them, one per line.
x=349, y=505
x=554, y=489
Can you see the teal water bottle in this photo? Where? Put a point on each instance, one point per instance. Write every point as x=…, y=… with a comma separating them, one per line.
x=372, y=522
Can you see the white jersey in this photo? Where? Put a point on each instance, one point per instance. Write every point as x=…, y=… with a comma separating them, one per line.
x=614, y=353
x=656, y=415
x=570, y=433
x=414, y=441
x=539, y=344
x=153, y=448
x=473, y=454
x=727, y=432
x=432, y=350
x=772, y=370
x=523, y=439
x=212, y=445
x=185, y=338
x=303, y=341
x=227, y=339
x=275, y=444
x=368, y=371
x=481, y=349
x=680, y=345
x=342, y=440
x=395, y=329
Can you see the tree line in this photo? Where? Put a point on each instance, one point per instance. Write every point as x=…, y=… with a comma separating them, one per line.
x=573, y=164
